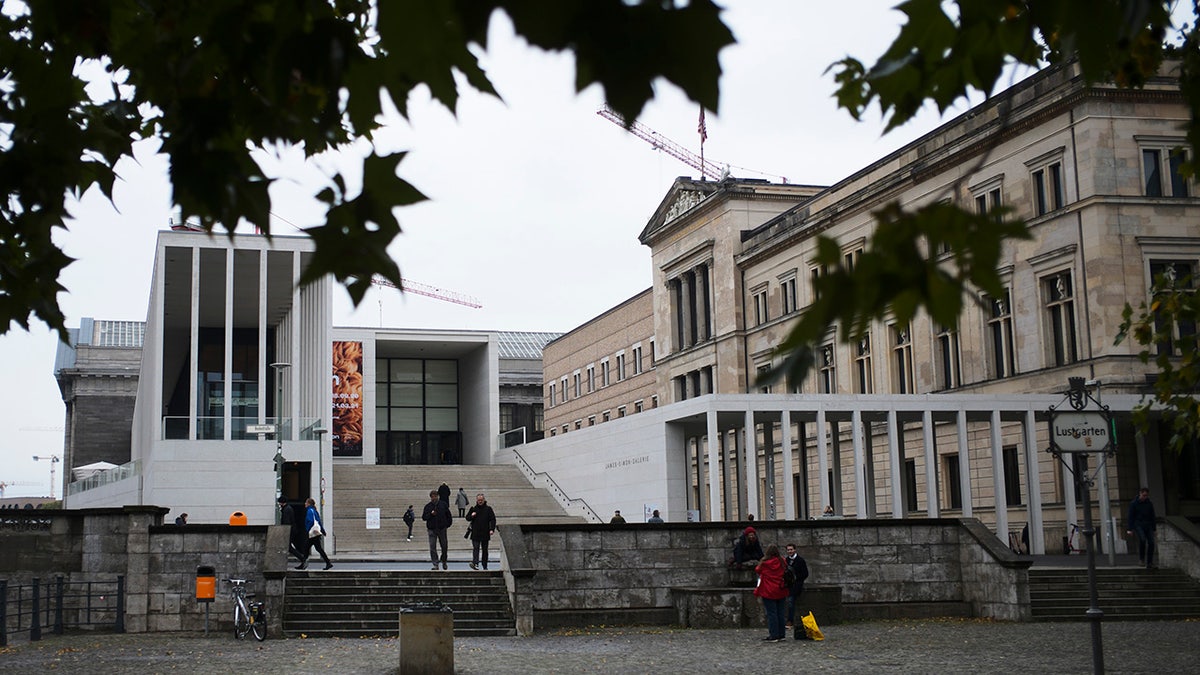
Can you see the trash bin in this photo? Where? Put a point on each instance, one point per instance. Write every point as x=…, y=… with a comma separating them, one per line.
x=206, y=583
x=237, y=518
x=426, y=638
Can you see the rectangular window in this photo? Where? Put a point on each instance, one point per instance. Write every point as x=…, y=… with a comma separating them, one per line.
x=862, y=365
x=553, y=389
x=654, y=401
x=851, y=259
x=591, y=420
x=1172, y=274
x=575, y=380
x=563, y=390
x=637, y=359
x=638, y=406
x=620, y=366
x=1060, y=319
x=827, y=373
x=578, y=425
x=910, y=485
x=1012, y=475
x=1047, y=189
x=987, y=197
x=508, y=416
x=604, y=381
x=789, y=296
x=953, y=488
x=760, y=307
x=539, y=417
x=760, y=372
x=605, y=416
x=1000, y=337
x=949, y=358
x=1161, y=172
x=902, y=361
x=620, y=412
x=653, y=358
x=591, y=378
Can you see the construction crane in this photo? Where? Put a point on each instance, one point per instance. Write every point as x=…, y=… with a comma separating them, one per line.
x=706, y=167
x=53, y=459
x=4, y=485
x=429, y=291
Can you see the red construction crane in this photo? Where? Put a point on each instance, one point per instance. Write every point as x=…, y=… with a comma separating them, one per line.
x=707, y=168
x=419, y=288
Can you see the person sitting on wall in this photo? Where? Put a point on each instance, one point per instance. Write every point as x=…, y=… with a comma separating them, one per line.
x=747, y=550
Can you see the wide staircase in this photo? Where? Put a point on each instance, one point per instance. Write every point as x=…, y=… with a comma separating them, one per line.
x=1124, y=594
x=392, y=489
x=363, y=603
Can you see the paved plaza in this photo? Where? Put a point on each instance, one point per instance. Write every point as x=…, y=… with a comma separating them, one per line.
x=925, y=646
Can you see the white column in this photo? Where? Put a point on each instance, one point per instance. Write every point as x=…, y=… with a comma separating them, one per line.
x=931, y=491
x=291, y=394
x=1037, y=538
x=964, y=465
x=194, y=346
x=860, y=479
x=262, y=338
x=714, y=468
x=751, y=466
x=1001, y=494
x=894, y=465
x=822, y=461
x=785, y=440
x=227, y=364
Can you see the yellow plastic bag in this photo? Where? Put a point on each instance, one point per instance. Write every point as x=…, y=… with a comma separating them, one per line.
x=811, y=628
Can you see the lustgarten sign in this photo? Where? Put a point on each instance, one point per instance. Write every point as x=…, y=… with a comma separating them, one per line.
x=1080, y=431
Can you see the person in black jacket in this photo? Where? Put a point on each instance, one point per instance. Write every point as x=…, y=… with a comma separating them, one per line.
x=410, y=517
x=297, y=535
x=438, y=519
x=799, y=569
x=747, y=550
x=483, y=526
x=1142, y=522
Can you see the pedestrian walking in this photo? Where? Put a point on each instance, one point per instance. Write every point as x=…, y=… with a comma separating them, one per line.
x=773, y=592
x=483, y=526
x=316, y=530
x=462, y=501
x=409, y=518
x=444, y=493
x=1142, y=522
x=297, y=533
x=799, y=569
x=437, y=519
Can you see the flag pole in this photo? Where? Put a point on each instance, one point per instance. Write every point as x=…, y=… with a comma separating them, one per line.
x=702, y=129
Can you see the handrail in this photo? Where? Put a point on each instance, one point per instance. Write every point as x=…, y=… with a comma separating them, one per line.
x=559, y=493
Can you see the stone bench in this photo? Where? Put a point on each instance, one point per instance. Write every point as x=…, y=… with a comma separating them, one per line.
x=736, y=606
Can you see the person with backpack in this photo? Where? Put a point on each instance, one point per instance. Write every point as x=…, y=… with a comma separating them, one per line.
x=773, y=592
x=797, y=572
x=409, y=518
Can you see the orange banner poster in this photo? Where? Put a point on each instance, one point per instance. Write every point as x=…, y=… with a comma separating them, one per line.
x=347, y=399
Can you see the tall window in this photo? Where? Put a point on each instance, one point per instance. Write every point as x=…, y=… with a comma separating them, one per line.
x=902, y=360
x=762, y=371
x=827, y=373
x=417, y=412
x=1177, y=274
x=591, y=377
x=575, y=380
x=1000, y=337
x=1161, y=171
x=604, y=381
x=1047, y=188
x=760, y=307
x=620, y=366
x=637, y=359
x=1012, y=475
x=910, y=485
x=987, y=197
x=553, y=389
x=953, y=488
x=1060, y=319
x=563, y=391
x=539, y=416
x=949, y=354
x=850, y=259
x=652, y=355
x=862, y=365
x=788, y=287
x=508, y=416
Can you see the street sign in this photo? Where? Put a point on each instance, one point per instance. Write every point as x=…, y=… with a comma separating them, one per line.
x=1080, y=431
x=260, y=428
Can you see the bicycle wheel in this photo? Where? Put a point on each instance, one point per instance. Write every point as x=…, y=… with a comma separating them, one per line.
x=258, y=622
x=241, y=621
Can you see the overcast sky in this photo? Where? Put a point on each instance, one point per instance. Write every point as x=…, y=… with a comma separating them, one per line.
x=535, y=202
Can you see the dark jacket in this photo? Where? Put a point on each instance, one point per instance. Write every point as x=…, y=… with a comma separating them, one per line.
x=744, y=550
x=1141, y=514
x=483, y=522
x=799, y=568
x=444, y=493
x=409, y=516
x=287, y=516
x=437, y=515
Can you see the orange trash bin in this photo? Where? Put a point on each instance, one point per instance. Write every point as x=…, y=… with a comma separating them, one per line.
x=206, y=583
x=237, y=518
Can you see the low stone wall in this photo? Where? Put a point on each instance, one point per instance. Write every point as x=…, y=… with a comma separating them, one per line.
x=158, y=562
x=1178, y=542
x=586, y=574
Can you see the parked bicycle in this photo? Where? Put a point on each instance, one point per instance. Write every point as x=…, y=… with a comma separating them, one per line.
x=247, y=616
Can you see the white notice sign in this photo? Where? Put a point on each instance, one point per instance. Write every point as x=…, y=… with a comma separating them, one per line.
x=372, y=519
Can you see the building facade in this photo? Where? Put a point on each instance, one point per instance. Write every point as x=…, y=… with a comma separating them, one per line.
x=918, y=419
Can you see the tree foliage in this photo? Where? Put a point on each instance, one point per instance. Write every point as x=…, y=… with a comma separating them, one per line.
x=217, y=81
x=944, y=52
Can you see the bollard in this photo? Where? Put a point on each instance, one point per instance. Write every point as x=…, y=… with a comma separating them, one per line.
x=426, y=639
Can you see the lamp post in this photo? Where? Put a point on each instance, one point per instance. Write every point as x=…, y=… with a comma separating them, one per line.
x=279, y=368
x=320, y=432
x=53, y=459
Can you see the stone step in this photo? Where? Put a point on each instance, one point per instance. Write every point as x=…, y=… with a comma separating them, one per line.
x=1122, y=594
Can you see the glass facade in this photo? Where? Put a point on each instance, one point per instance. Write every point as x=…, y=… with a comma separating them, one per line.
x=417, y=403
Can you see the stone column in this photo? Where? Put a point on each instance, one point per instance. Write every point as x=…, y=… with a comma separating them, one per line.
x=750, y=464
x=998, y=486
x=687, y=297
x=894, y=464
x=929, y=439
x=964, y=465
x=1037, y=538
x=716, y=475
x=785, y=442
x=823, y=461
x=860, y=491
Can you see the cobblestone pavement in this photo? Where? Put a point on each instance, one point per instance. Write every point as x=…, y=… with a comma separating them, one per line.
x=924, y=646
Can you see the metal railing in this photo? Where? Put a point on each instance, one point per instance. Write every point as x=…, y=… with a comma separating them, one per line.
x=126, y=470
x=58, y=605
x=568, y=503
x=213, y=428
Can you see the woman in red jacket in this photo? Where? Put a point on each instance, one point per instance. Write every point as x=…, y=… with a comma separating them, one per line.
x=773, y=592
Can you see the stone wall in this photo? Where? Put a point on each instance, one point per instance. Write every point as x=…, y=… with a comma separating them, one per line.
x=588, y=574
x=158, y=562
x=1178, y=542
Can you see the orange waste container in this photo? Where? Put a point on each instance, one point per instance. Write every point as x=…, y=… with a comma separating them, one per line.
x=237, y=518
x=206, y=583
